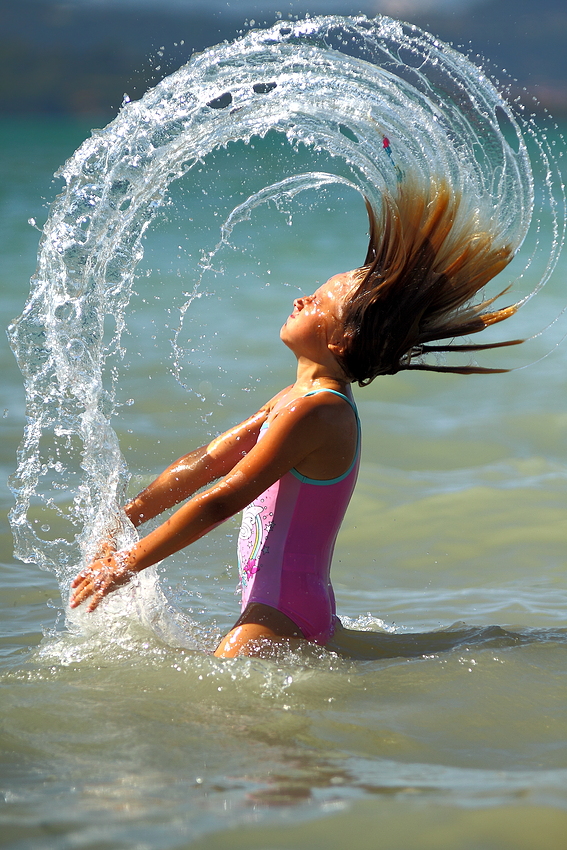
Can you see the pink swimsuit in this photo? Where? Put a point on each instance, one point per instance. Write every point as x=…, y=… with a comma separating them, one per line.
x=286, y=543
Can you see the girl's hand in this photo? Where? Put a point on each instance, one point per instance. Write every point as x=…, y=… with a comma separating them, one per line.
x=105, y=549
x=101, y=578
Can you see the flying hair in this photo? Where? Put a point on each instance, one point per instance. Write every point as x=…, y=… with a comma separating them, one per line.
x=429, y=254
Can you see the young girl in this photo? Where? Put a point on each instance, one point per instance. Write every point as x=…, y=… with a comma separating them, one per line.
x=292, y=466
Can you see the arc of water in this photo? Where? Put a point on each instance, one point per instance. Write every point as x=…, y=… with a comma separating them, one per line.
x=343, y=85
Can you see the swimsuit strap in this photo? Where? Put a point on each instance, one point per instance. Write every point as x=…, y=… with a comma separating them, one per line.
x=265, y=425
x=335, y=392
x=326, y=481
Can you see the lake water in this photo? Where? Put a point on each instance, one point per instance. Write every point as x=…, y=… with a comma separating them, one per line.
x=449, y=728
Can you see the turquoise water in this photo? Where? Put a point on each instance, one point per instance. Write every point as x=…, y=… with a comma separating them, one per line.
x=448, y=728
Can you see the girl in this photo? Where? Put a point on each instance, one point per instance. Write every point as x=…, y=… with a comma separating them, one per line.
x=292, y=466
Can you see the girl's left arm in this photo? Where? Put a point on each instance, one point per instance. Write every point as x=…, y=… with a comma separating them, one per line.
x=295, y=432
x=188, y=474
x=195, y=470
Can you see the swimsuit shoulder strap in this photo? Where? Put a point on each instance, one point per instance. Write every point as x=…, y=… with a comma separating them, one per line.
x=326, y=481
x=335, y=392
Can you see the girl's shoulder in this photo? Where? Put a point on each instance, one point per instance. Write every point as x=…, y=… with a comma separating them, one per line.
x=277, y=400
x=320, y=405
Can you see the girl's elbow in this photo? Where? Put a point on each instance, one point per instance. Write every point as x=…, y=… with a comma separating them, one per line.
x=222, y=505
x=219, y=510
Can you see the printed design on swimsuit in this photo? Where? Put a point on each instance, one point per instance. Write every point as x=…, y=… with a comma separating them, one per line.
x=253, y=529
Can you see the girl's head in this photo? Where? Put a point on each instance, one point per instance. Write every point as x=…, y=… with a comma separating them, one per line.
x=315, y=328
x=428, y=255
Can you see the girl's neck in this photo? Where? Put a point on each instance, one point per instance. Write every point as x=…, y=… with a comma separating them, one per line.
x=314, y=376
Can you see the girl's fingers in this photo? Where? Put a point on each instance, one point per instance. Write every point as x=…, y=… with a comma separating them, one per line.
x=94, y=603
x=79, y=579
x=100, y=589
x=83, y=586
x=78, y=597
x=85, y=575
x=78, y=591
x=97, y=582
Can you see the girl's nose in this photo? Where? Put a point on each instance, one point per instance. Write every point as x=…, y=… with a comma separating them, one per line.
x=298, y=303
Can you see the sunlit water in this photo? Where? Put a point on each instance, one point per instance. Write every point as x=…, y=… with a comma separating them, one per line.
x=447, y=726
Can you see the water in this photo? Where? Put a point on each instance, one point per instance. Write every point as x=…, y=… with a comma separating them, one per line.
x=448, y=728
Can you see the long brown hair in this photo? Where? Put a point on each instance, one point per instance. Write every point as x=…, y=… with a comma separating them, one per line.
x=428, y=255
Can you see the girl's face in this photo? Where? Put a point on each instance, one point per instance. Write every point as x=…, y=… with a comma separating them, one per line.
x=316, y=319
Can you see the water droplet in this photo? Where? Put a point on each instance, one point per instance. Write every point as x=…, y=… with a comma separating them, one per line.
x=64, y=311
x=76, y=348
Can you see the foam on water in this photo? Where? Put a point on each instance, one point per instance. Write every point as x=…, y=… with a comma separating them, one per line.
x=384, y=97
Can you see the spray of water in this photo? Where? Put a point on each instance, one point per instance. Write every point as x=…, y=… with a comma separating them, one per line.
x=385, y=98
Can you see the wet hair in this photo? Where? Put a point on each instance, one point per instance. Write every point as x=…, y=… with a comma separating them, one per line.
x=428, y=256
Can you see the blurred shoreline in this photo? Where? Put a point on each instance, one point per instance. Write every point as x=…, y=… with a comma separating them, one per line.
x=80, y=58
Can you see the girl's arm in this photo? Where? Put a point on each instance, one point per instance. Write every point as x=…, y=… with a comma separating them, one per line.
x=195, y=470
x=296, y=432
x=188, y=474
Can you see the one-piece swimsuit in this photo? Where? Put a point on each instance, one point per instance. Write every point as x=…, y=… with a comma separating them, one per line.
x=286, y=543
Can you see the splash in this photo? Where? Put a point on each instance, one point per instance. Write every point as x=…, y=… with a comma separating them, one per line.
x=384, y=98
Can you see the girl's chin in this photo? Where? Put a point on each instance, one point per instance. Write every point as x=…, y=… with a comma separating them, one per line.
x=285, y=338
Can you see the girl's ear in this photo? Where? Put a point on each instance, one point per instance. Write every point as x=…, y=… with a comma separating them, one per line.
x=336, y=348
x=336, y=340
